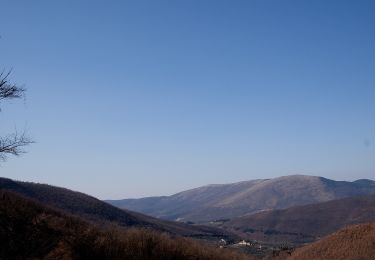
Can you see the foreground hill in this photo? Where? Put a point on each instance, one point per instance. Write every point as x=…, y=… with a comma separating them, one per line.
x=225, y=201
x=31, y=230
x=353, y=243
x=305, y=223
x=92, y=209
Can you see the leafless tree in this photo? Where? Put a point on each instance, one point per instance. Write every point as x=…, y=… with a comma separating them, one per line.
x=11, y=144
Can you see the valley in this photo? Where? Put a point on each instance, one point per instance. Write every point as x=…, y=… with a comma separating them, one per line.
x=269, y=232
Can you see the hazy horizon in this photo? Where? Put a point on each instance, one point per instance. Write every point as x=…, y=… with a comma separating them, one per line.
x=230, y=182
x=144, y=98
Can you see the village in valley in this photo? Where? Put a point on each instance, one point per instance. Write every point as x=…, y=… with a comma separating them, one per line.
x=255, y=247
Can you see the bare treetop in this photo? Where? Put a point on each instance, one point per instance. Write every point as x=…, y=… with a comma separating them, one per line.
x=9, y=90
x=11, y=144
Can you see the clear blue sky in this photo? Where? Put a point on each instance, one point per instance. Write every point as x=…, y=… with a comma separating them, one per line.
x=139, y=98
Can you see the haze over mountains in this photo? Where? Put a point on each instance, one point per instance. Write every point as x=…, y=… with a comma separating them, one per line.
x=227, y=201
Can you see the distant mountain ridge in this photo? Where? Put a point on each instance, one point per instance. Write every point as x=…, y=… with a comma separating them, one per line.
x=226, y=201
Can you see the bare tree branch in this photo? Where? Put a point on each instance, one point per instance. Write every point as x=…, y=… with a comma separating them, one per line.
x=9, y=90
x=13, y=144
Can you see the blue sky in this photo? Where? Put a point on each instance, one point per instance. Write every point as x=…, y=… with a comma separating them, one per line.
x=140, y=98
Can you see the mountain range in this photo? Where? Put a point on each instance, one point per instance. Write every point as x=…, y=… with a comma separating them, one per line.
x=46, y=222
x=227, y=201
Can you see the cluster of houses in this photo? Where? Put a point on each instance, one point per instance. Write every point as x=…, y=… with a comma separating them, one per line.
x=223, y=243
x=252, y=244
x=254, y=247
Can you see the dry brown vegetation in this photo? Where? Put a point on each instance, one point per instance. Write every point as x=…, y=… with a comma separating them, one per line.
x=92, y=209
x=353, y=243
x=30, y=230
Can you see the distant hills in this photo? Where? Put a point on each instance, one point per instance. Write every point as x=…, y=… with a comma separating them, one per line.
x=92, y=209
x=305, y=223
x=227, y=201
